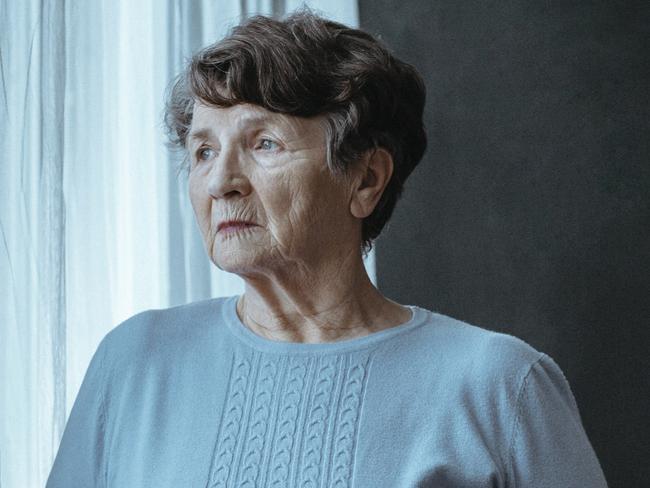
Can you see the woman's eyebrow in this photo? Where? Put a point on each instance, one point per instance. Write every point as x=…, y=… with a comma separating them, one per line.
x=203, y=133
x=243, y=123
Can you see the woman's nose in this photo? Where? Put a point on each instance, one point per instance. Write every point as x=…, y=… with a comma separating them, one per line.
x=227, y=177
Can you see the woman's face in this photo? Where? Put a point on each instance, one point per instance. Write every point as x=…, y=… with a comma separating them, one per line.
x=250, y=164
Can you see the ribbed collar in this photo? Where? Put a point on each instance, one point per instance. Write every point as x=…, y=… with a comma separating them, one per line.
x=241, y=332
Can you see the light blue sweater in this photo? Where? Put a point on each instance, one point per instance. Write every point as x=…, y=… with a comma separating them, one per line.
x=190, y=397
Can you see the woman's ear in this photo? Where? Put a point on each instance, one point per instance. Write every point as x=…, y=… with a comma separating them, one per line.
x=374, y=172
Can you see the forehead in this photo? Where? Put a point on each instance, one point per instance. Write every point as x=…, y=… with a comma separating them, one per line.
x=210, y=120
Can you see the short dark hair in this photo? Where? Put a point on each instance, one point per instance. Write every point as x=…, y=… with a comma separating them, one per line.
x=306, y=66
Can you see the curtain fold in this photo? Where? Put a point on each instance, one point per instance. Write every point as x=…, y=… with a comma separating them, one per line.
x=32, y=250
x=51, y=242
x=95, y=224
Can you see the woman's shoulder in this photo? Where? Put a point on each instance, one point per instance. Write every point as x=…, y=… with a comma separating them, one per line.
x=159, y=331
x=485, y=370
x=515, y=396
x=476, y=352
x=449, y=333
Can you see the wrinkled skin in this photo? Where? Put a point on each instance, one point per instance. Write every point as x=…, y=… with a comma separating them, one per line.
x=305, y=280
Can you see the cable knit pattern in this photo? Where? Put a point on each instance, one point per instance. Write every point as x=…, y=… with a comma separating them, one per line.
x=231, y=423
x=346, y=433
x=289, y=411
x=258, y=425
x=289, y=421
x=317, y=421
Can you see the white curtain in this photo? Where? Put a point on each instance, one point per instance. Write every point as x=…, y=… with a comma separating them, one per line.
x=95, y=225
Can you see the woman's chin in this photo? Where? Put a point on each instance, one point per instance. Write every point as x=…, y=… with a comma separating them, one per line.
x=239, y=262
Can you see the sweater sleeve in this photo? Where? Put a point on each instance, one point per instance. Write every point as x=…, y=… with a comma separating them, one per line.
x=549, y=447
x=79, y=460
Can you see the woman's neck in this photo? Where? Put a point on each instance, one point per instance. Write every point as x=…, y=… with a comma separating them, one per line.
x=318, y=307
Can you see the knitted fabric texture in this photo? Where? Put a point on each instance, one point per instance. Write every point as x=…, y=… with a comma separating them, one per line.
x=190, y=397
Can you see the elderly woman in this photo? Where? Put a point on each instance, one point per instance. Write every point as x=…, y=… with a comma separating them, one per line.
x=300, y=135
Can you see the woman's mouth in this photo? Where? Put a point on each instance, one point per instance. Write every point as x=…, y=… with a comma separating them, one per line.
x=230, y=227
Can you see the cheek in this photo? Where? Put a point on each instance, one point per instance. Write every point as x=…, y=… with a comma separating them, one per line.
x=302, y=208
x=199, y=199
x=278, y=200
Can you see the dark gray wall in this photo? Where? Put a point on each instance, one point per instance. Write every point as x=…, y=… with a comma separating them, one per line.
x=530, y=212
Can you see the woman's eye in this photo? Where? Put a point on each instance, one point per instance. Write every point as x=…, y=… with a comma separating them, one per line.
x=267, y=145
x=204, y=154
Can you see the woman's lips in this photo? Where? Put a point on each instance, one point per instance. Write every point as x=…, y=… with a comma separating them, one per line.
x=234, y=226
